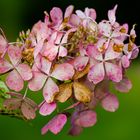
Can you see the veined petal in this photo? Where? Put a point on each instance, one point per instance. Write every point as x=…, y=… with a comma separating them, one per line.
x=5, y=66
x=56, y=15
x=14, y=81
x=113, y=72
x=50, y=90
x=96, y=73
x=63, y=72
x=25, y=71
x=14, y=54
x=80, y=62
x=47, y=109
x=55, y=125
x=37, y=82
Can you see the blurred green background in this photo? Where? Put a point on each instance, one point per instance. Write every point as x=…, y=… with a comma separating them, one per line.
x=17, y=15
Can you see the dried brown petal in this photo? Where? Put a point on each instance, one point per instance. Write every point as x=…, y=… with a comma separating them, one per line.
x=80, y=74
x=81, y=92
x=65, y=91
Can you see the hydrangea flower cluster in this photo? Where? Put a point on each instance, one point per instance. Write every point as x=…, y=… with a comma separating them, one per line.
x=71, y=58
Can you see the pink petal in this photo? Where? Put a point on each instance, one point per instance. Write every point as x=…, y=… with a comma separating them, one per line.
x=94, y=53
x=111, y=15
x=80, y=62
x=25, y=71
x=86, y=119
x=75, y=130
x=5, y=66
x=55, y=125
x=68, y=11
x=110, y=54
x=38, y=48
x=47, y=109
x=80, y=14
x=90, y=12
x=37, y=82
x=74, y=20
x=124, y=85
x=102, y=44
x=3, y=45
x=50, y=50
x=50, y=90
x=63, y=72
x=43, y=64
x=62, y=51
x=96, y=73
x=105, y=28
x=65, y=38
x=56, y=15
x=14, y=81
x=113, y=72
x=125, y=61
x=110, y=103
x=14, y=54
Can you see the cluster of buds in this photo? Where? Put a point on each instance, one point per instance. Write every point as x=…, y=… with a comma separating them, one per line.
x=71, y=58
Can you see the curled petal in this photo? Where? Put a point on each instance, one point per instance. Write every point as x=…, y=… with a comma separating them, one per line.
x=63, y=72
x=14, y=54
x=113, y=72
x=47, y=109
x=111, y=15
x=80, y=63
x=124, y=85
x=96, y=73
x=37, y=82
x=25, y=71
x=14, y=81
x=55, y=125
x=110, y=103
x=90, y=12
x=50, y=90
x=5, y=66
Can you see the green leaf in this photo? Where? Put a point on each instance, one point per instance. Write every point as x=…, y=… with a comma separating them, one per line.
x=4, y=90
